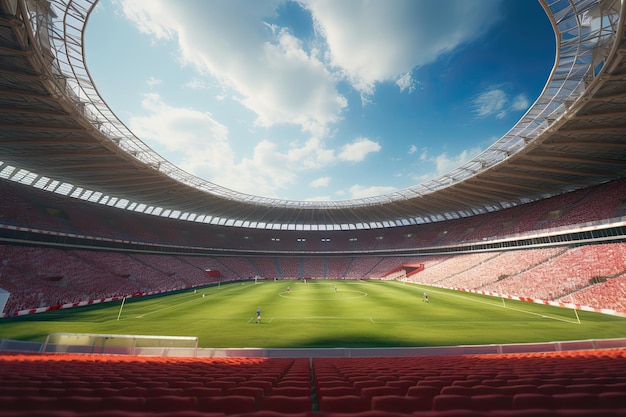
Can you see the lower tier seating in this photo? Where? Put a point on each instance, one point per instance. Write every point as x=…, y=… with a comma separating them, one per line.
x=573, y=383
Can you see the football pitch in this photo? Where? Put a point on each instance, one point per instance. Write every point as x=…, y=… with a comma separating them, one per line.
x=324, y=314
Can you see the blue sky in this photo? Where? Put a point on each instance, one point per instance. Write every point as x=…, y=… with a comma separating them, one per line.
x=319, y=99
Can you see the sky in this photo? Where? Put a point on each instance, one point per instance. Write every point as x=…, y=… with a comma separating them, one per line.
x=319, y=100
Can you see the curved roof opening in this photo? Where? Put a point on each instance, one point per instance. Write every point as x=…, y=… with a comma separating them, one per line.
x=319, y=100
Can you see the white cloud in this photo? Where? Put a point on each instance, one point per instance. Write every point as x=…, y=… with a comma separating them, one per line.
x=144, y=20
x=490, y=102
x=373, y=42
x=195, y=84
x=152, y=81
x=312, y=155
x=412, y=149
x=520, y=103
x=495, y=101
x=320, y=182
x=267, y=68
x=176, y=128
x=201, y=146
x=358, y=150
x=444, y=163
x=405, y=82
x=359, y=191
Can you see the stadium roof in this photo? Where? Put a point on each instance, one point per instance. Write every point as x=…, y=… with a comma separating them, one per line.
x=58, y=134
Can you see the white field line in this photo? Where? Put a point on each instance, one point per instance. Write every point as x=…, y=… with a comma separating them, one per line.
x=493, y=304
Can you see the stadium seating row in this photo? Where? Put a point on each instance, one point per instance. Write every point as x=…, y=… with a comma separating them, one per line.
x=514, y=384
x=31, y=207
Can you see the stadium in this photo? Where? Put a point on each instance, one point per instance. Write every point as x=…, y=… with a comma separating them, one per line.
x=130, y=288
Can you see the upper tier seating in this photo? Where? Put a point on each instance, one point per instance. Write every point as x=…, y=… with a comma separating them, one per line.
x=31, y=207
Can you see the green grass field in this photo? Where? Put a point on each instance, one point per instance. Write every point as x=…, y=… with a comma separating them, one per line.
x=358, y=314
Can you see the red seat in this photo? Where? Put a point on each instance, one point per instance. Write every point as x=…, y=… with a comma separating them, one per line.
x=170, y=403
x=456, y=390
x=333, y=383
x=612, y=399
x=494, y=382
x=516, y=389
x=123, y=403
x=272, y=379
x=287, y=404
x=41, y=413
x=551, y=389
x=27, y=402
x=291, y=391
x=423, y=391
x=589, y=388
x=122, y=384
x=79, y=404
x=232, y=378
x=344, y=404
x=489, y=402
x=403, y=385
x=484, y=390
x=51, y=391
x=367, y=384
x=223, y=385
x=439, y=383
x=106, y=392
x=467, y=382
x=452, y=402
x=530, y=400
x=411, y=377
x=163, y=391
x=337, y=391
x=185, y=384
x=266, y=386
x=384, y=390
x=133, y=392
x=401, y=404
x=578, y=400
x=296, y=383
x=255, y=392
x=151, y=384
x=201, y=391
x=229, y=404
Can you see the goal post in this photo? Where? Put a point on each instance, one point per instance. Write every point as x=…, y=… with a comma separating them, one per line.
x=121, y=344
